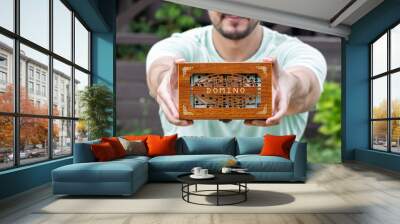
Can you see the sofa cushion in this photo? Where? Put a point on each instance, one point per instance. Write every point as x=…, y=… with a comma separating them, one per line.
x=103, y=152
x=116, y=145
x=277, y=145
x=249, y=145
x=196, y=145
x=136, y=147
x=133, y=158
x=83, y=152
x=111, y=171
x=185, y=163
x=161, y=145
x=257, y=163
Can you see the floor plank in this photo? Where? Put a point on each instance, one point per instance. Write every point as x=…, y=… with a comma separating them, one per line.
x=376, y=189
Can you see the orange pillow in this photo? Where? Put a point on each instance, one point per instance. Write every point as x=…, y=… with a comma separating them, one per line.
x=277, y=145
x=161, y=145
x=135, y=137
x=103, y=151
x=116, y=145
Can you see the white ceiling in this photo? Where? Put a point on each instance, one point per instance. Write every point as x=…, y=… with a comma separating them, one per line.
x=321, y=9
x=325, y=16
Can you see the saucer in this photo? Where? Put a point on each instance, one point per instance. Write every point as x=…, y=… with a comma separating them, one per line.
x=208, y=176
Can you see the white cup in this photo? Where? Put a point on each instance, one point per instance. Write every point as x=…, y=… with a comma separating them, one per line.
x=226, y=170
x=196, y=171
x=203, y=172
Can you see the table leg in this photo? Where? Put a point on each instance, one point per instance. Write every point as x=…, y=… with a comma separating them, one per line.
x=182, y=190
x=195, y=188
x=217, y=194
x=188, y=190
x=245, y=193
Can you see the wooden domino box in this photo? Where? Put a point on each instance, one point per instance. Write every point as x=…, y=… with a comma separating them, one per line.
x=226, y=90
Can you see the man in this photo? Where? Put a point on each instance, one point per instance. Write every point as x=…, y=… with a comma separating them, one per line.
x=299, y=73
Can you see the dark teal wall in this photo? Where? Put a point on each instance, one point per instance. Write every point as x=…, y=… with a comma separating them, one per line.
x=103, y=52
x=24, y=178
x=356, y=83
x=100, y=16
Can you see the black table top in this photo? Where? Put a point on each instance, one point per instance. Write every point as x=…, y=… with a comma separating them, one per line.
x=220, y=178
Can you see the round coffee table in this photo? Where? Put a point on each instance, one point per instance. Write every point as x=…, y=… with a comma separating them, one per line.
x=238, y=179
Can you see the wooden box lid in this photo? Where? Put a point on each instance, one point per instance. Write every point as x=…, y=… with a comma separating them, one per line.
x=225, y=90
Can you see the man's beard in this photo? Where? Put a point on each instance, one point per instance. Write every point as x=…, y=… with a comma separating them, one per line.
x=235, y=35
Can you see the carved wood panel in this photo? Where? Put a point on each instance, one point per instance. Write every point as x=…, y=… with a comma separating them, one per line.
x=225, y=90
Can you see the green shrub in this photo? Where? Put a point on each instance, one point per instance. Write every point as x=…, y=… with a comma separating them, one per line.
x=328, y=115
x=96, y=102
x=326, y=145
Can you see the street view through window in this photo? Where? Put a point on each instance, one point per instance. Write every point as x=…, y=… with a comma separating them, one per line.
x=385, y=91
x=38, y=70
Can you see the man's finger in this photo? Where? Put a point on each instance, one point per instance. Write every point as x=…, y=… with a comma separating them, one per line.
x=169, y=116
x=167, y=99
x=164, y=107
x=255, y=122
x=275, y=70
x=261, y=123
x=174, y=76
x=282, y=108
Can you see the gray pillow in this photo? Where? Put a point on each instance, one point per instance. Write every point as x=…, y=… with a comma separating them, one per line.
x=136, y=147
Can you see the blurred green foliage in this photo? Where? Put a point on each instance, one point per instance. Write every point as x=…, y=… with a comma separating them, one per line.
x=137, y=52
x=169, y=18
x=139, y=126
x=325, y=147
x=138, y=130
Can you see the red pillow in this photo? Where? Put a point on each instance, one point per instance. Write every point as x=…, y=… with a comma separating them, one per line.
x=161, y=145
x=277, y=145
x=116, y=145
x=103, y=151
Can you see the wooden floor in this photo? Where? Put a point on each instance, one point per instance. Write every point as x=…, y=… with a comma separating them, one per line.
x=379, y=189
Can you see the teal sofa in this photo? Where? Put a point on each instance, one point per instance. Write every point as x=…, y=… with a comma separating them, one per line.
x=125, y=176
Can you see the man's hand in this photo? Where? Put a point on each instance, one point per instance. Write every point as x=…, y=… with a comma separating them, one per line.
x=167, y=95
x=290, y=93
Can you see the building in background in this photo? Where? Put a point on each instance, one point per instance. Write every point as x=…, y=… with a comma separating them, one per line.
x=34, y=81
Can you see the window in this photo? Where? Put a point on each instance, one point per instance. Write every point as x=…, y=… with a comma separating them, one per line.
x=44, y=116
x=38, y=73
x=30, y=72
x=385, y=94
x=62, y=74
x=34, y=21
x=62, y=140
x=81, y=81
x=3, y=72
x=37, y=89
x=62, y=29
x=44, y=91
x=7, y=14
x=6, y=74
x=3, y=78
x=81, y=45
x=3, y=61
x=30, y=87
x=6, y=142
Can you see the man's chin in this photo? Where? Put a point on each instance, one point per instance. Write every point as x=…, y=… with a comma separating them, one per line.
x=234, y=35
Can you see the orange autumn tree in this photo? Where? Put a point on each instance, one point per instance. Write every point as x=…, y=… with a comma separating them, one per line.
x=6, y=122
x=33, y=130
x=380, y=128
